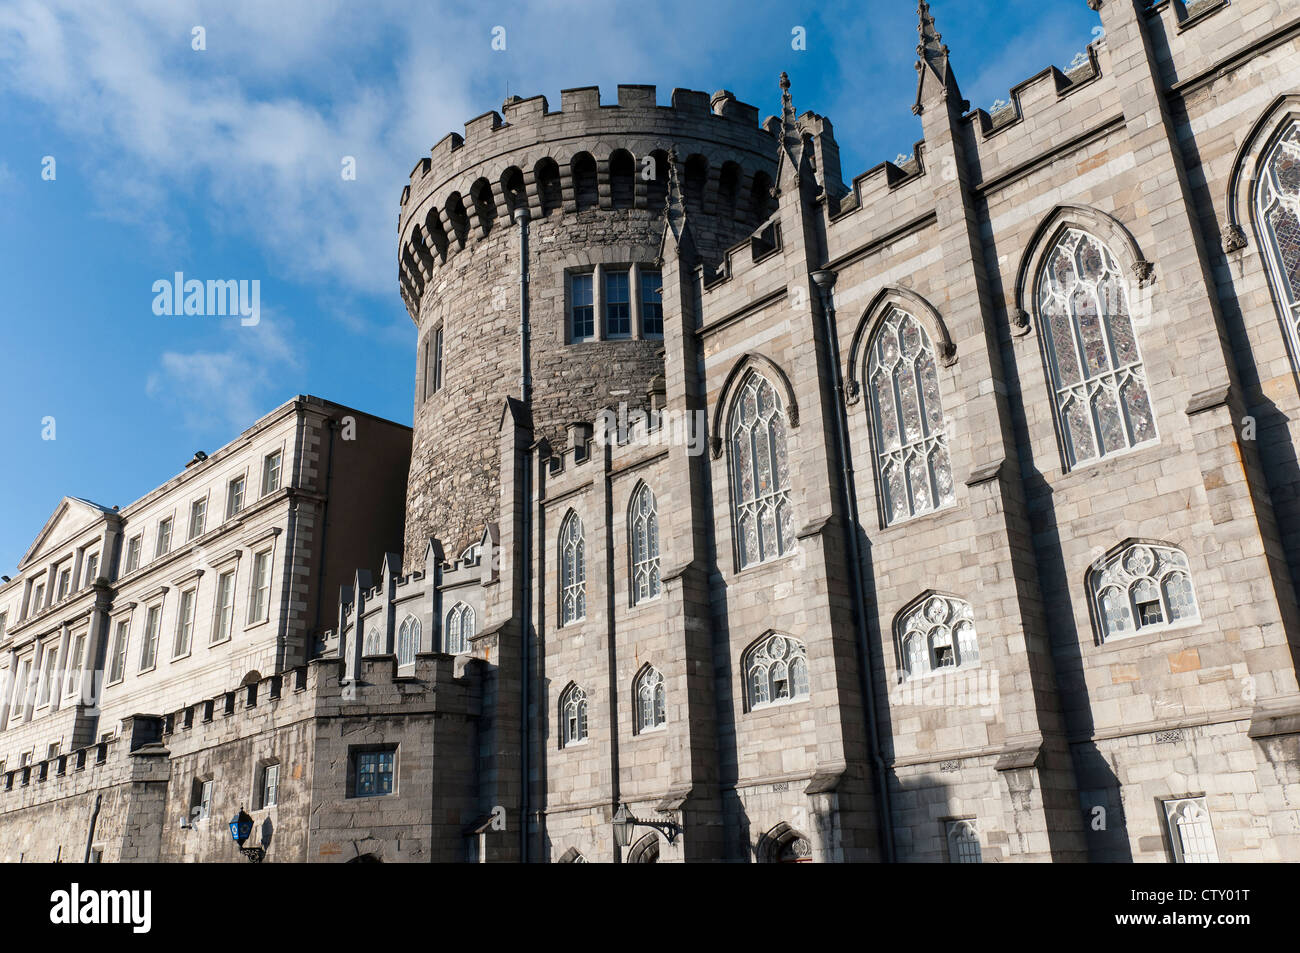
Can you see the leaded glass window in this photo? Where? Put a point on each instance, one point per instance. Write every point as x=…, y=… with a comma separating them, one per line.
x=459, y=629
x=963, y=843
x=408, y=640
x=1278, y=210
x=937, y=633
x=644, y=518
x=1098, y=378
x=374, y=773
x=651, y=700
x=573, y=571
x=573, y=716
x=912, y=466
x=776, y=671
x=1142, y=588
x=1190, y=831
x=760, y=473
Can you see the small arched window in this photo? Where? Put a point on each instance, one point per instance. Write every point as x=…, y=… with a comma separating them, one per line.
x=408, y=640
x=1142, y=588
x=963, y=843
x=1190, y=831
x=643, y=520
x=1277, y=207
x=651, y=700
x=373, y=644
x=935, y=633
x=459, y=629
x=912, y=466
x=573, y=716
x=573, y=570
x=776, y=671
x=1101, y=399
x=760, y=472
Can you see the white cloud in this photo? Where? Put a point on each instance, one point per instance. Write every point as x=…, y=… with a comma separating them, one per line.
x=226, y=388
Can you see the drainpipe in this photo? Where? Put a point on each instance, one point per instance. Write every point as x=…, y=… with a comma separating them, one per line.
x=825, y=280
x=324, y=530
x=526, y=562
x=94, y=819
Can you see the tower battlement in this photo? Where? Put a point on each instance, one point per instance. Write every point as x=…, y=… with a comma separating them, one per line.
x=584, y=155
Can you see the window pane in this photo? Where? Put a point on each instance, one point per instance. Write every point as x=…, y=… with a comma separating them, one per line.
x=652, y=309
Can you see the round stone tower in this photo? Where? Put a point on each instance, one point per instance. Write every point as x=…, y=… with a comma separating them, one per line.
x=594, y=180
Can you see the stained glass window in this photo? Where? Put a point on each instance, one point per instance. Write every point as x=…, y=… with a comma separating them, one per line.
x=459, y=629
x=760, y=473
x=1142, y=588
x=643, y=516
x=651, y=700
x=912, y=467
x=573, y=716
x=776, y=670
x=1092, y=350
x=408, y=640
x=573, y=571
x=938, y=632
x=1278, y=211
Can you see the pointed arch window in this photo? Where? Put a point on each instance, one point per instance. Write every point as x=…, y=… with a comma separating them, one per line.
x=912, y=466
x=963, y=843
x=1190, y=831
x=573, y=716
x=760, y=472
x=1277, y=206
x=643, y=517
x=651, y=700
x=776, y=671
x=573, y=570
x=1099, y=383
x=1143, y=588
x=935, y=634
x=408, y=640
x=459, y=629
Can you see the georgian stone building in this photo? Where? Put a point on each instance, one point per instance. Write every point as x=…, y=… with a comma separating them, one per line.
x=944, y=513
x=215, y=579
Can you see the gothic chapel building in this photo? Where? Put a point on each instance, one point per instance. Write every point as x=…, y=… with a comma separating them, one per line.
x=947, y=513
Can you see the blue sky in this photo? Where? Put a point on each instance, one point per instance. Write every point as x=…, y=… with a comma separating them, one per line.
x=225, y=163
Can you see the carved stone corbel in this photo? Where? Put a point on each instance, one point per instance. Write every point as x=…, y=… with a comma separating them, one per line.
x=1234, y=237
x=1144, y=271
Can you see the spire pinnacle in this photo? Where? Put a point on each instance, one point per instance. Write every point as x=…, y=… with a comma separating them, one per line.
x=931, y=47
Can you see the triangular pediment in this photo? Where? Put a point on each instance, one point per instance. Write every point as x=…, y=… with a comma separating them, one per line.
x=70, y=517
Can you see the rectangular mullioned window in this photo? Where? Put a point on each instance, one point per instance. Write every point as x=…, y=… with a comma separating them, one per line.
x=618, y=305
x=198, y=517
x=652, y=304
x=234, y=496
x=582, y=307
x=225, y=607
x=118, y=668
x=76, y=665
x=260, y=593
x=373, y=772
x=271, y=472
x=163, y=546
x=133, y=548
x=149, y=650
x=184, y=624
